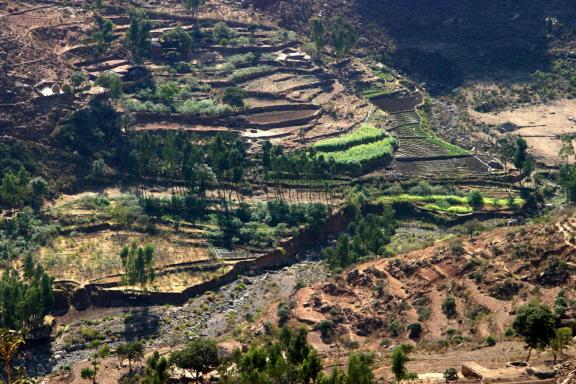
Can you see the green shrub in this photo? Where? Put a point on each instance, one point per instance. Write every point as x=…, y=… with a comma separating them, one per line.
x=241, y=59
x=248, y=71
x=451, y=374
x=449, y=307
x=490, y=341
x=415, y=330
x=202, y=108
x=222, y=31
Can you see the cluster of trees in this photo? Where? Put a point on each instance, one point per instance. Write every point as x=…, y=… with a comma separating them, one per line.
x=20, y=189
x=281, y=356
x=175, y=156
x=25, y=298
x=137, y=38
x=138, y=264
x=104, y=36
x=537, y=324
x=287, y=357
x=341, y=34
x=296, y=164
x=247, y=225
x=515, y=151
x=94, y=130
x=366, y=237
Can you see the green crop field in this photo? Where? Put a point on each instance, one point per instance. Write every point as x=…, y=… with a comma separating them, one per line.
x=364, y=153
x=448, y=203
x=363, y=135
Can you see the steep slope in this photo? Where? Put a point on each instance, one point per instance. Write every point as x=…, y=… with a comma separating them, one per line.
x=487, y=278
x=448, y=41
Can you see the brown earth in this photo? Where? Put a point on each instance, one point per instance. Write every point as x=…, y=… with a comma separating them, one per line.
x=541, y=125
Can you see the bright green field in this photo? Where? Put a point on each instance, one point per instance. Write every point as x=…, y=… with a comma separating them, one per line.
x=363, y=135
x=364, y=153
x=446, y=203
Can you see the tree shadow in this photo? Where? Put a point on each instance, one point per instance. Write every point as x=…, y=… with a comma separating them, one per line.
x=140, y=323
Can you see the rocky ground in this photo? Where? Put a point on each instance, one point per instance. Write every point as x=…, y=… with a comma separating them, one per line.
x=211, y=314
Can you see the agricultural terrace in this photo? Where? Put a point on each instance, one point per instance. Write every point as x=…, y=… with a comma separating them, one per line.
x=365, y=134
x=452, y=201
x=360, y=157
x=191, y=244
x=252, y=80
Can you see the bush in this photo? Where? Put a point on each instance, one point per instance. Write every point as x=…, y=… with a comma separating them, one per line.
x=112, y=83
x=325, y=326
x=248, y=71
x=449, y=307
x=475, y=199
x=490, y=341
x=451, y=374
x=222, y=31
x=283, y=313
x=415, y=330
x=203, y=108
x=457, y=248
x=242, y=59
x=234, y=97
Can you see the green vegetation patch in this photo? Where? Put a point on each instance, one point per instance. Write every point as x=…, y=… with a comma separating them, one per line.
x=449, y=203
x=450, y=148
x=242, y=73
x=365, y=134
x=373, y=93
x=364, y=153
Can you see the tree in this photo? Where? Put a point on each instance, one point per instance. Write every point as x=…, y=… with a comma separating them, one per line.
x=567, y=179
x=200, y=355
x=179, y=40
x=536, y=324
x=133, y=351
x=156, y=370
x=561, y=340
x=193, y=6
x=520, y=153
x=10, y=342
x=138, y=263
x=567, y=149
x=399, y=360
x=506, y=148
x=104, y=36
x=311, y=367
x=475, y=199
x=137, y=37
x=449, y=307
x=90, y=373
x=283, y=313
x=112, y=83
x=344, y=37
x=415, y=330
x=451, y=374
x=78, y=79
x=234, y=97
x=360, y=368
x=318, y=34
x=471, y=227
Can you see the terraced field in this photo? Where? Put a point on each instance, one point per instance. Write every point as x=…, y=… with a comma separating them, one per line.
x=420, y=152
x=287, y=95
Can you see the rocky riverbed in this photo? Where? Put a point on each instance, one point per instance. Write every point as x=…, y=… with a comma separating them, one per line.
x=213, y=314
